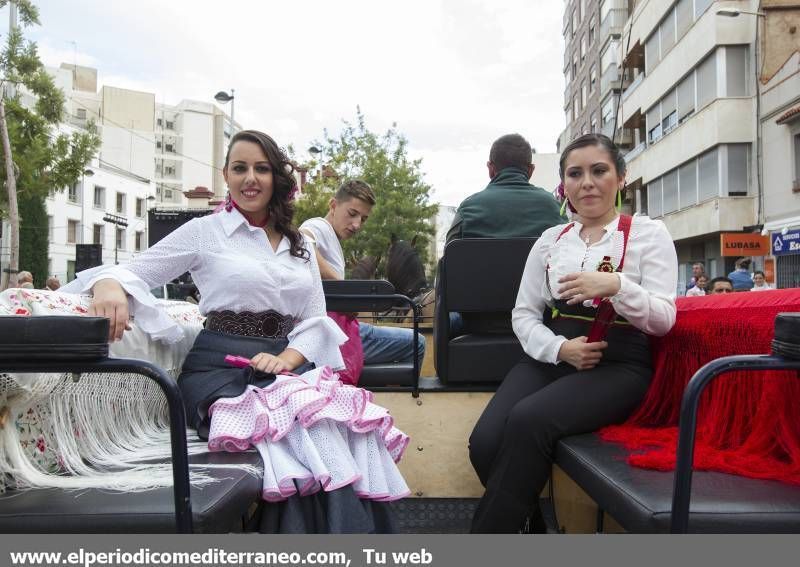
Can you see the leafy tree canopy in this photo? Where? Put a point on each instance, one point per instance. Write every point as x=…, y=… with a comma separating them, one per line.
x=42, y=158
x=402, y=195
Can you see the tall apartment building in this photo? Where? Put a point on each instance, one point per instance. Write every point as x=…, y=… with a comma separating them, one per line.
x=592, y=73
x=581, y=68
x=690, y=108
x=779, y=122
x=190, y=139
x=179, y=147
x=150, y=155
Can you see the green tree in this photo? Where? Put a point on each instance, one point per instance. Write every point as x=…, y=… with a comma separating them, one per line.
x=403, y=206
x=36, y=156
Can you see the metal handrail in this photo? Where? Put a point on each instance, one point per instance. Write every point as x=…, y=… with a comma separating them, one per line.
x=687, y=427
x=177, y=417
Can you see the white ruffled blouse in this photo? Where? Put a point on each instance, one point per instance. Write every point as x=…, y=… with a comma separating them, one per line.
x=235, y=269
x=647, y=282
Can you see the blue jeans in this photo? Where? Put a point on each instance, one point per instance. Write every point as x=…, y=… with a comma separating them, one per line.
x=389, y=344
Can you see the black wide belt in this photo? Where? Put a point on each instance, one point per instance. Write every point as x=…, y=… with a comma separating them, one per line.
x=269, y=324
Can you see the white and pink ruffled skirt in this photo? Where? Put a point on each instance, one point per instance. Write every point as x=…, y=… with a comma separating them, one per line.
x=314, y=433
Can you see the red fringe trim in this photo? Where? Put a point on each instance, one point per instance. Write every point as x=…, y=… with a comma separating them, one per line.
x=748, y=422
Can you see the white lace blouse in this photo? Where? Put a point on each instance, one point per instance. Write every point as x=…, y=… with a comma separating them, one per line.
x=236, y=269
x=647, y=283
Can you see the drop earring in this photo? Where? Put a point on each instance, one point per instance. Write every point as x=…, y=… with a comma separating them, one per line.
x=228, y=202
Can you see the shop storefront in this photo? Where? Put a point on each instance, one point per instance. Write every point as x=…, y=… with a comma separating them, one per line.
x=785, y=246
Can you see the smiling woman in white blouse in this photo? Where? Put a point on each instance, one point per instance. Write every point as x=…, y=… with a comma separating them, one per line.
x=577, y=376
x=262, y=297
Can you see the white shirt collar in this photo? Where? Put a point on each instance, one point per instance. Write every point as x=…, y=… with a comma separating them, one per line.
x=233, y=219
x=610, y=227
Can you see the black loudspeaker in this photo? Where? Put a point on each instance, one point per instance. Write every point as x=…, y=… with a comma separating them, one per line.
x=163, y=221
x=88, y=256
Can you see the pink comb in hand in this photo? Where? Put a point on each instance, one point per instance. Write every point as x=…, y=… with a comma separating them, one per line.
x=237, y=361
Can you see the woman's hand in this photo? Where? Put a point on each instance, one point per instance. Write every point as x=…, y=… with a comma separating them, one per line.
x=580, y=354
x=580, y=286
x=286, y=361
x=110, y=301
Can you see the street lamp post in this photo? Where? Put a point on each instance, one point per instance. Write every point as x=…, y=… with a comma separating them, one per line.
x=223, y=97
x=315, y=151
x=86, y=173
x=735, y=13
x=117, y=221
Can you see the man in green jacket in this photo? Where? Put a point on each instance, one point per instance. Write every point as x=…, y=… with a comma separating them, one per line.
x=509, y=206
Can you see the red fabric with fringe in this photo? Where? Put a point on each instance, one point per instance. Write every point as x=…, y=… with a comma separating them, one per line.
x=746, y=426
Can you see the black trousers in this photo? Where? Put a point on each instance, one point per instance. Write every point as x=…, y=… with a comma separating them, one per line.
x=512, y=445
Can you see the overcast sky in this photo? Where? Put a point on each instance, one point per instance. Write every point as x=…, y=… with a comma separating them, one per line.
x=453, y=74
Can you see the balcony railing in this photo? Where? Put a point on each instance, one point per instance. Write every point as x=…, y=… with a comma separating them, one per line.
x=634, y=153
x=610, y=79
x=613, y=23
x=632, y=87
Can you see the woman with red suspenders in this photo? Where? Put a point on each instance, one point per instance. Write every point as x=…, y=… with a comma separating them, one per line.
x=606, y=281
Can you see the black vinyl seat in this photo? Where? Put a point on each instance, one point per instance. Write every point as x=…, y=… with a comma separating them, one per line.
x=640, y=500
x=352, y=296
x=479, y=278
x=688, y=501
x=79, y=345
x=218, y=507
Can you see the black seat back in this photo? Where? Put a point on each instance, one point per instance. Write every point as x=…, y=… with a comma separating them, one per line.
x=479, y=278
x=351, y=296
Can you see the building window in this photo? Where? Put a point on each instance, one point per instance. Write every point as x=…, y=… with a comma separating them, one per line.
x=158, y=144
x=97, y=234
x=50, y=228
x=708, y=175
x=73, y=195
x=701, y=6
x=139, y=207
x=121, y=203
x=736, y=71
x=686, y=97
x=583, y=96
x=669, y=113
x=574, y=21
x=72, y=231
x=70, y=270
x=669, y=190
x=796, y=139
x=654, y=124
x=592, y=32
x=594, y=125
x=583, y=48
x=170, y=125
x=667, y=33
x=120, y=238
x=738, y=177
x=170, y=148
x=683, y=17
x=707, y=81
x=99, y=197
x=593, y=78
x=139, y=241
x=159, y=122
x=652, y=53
x=687, y=178
x=80, y=113
x=654, y=198
x=576, y=109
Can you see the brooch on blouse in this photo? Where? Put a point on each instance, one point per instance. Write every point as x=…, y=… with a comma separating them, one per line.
x=606, y=266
